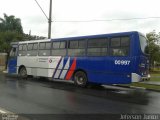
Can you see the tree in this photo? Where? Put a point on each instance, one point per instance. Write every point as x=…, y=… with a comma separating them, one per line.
x=32, y=37
x=10, y=23
x=153, y=48
x=6, y=38
x=10, y=31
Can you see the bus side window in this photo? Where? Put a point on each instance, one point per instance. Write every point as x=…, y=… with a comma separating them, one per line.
x=44, y=49
x=97, y=47
x=32, y=49
x=59, y=48
x=119, y=46
x=13, y=52
x=22, y=50
x=77, y=48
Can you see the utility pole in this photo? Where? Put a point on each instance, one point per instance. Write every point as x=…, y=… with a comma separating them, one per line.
x=50, y=20
x=50, y=17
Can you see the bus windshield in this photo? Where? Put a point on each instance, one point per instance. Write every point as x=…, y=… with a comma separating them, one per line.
x=143, y=43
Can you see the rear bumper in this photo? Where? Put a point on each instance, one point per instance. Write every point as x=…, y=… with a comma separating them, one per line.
x=137, y=78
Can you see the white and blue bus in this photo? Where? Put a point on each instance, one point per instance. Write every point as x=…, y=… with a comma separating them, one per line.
x=117, y=58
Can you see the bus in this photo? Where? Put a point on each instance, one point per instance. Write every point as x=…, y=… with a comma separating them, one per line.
x=116, y=58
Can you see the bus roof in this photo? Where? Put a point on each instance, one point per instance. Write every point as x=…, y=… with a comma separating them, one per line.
x=34, y=41
x=79, y=37
x=95, y=36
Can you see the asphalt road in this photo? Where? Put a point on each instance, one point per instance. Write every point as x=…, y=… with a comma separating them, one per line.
x=39, y=96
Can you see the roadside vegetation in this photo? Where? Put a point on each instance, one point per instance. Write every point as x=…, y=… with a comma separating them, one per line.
x=147, y=86
x=155, y=77
x=153, y=50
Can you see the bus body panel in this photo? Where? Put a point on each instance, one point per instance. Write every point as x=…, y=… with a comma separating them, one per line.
x=39, y=66
x=12, y=65
x=105, y=71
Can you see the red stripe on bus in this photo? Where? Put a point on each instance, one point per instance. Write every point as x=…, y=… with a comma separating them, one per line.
x=71, y=70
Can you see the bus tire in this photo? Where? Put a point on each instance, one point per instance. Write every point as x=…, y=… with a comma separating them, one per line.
x=23, y=73
x=80, y=79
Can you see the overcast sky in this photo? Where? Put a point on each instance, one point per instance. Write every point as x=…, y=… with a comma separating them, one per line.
x=84, y=10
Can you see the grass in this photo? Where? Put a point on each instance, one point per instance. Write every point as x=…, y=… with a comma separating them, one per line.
x=147, y=86
x=155, y=77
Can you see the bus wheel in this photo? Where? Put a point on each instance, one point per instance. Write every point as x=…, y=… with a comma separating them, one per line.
x=23, y=73
x=80, y=79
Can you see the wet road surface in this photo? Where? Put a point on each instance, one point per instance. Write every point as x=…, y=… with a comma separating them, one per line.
x=39, y=96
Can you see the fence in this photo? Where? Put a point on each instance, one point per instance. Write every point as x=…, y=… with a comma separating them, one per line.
x=3, y=60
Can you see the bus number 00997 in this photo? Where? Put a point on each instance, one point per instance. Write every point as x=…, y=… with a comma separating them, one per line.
x=122, y=62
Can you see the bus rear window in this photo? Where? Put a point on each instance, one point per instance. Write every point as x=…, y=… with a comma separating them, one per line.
x=143, y=43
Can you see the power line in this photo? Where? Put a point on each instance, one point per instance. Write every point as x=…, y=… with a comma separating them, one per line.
x=103, y=20
x=42, y=9
x=48, y=18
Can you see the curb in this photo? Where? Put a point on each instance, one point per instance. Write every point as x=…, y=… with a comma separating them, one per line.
x=150, y=84
x=153, y=90
x=138, y=88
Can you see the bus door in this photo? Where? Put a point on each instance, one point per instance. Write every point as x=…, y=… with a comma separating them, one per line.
x=12, y=61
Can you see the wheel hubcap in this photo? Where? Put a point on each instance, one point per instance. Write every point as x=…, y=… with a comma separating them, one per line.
x=80, y=80
x=23, y=72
